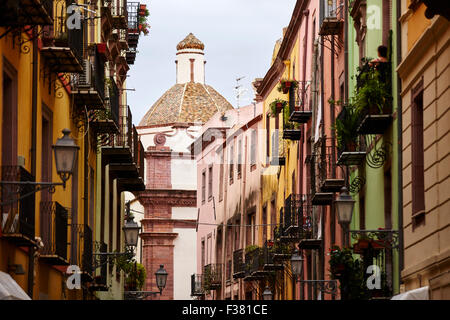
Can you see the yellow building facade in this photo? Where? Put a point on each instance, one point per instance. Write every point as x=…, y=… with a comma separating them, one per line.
x=54, y=76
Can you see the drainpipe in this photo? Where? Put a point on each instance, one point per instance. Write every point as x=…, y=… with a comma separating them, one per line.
x=34, y=86
x=322, y=218
x=399, y=145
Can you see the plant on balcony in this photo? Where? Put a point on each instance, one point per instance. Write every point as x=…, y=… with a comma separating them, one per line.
x=373, y=94
x=349, y=272
x=346, y=127
x=144, y=27
x=135, y=273
x=285, y=85
x=288, y=124
x=277, y=105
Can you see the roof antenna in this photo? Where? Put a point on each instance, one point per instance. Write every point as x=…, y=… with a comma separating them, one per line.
x=240, y=92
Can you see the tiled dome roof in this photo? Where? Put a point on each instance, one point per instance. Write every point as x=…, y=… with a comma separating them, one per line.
x=186, y=103
x=190, y=42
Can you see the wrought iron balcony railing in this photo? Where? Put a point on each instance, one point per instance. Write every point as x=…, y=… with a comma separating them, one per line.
x=18, y=211
x=119, y=13
x=331, y=20
x=329, y=177
x=271, y=255
x=300, y=110
x=326, y=177
x=100, y=281
x=351, y=150
x=212, y=276
x=278, y=158
x=133, y=25
x=377, y=248
x=238, y=264
x=20, y=13
x=197, y=285
x=81, y=250
x=63, y=41
x=295, y=219
x=89, y=86
x=254, y=263
x=291, y=129
x=54, y=230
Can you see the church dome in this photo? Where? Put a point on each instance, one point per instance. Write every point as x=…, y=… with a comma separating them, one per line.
x=186, y=103
x=190, y=42
x=190, y=100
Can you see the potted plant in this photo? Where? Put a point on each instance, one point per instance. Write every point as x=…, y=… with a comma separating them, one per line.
x=288, y=124
x=346, y=127
x=277, y=105
x=285, y=85
x=373, y=94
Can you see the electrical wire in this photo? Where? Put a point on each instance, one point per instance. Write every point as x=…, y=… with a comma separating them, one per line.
x=220, y=224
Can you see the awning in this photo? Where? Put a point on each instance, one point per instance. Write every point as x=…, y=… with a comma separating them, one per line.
x=10, y=290
x=416, y=294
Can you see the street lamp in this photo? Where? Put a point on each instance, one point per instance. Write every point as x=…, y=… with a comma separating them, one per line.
x=296, y=264
x=65, y=151
x=267, y=294
x=344, y=204
x=161, y=278
x=131, y=232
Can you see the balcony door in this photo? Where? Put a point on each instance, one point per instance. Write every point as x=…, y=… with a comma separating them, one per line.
x=9, y=116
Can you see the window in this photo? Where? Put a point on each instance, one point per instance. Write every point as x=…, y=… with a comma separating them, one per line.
x=231, y=164
x=203, y=252
x=273, y=217
x=417, y=159
x=9, y=122
x=253, y=150
x=239, y=164
x=203, y=186
x=47, y=137
x=210, y=183
x=221, y=177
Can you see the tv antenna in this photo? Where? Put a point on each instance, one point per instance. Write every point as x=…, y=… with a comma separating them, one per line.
x=240, y=91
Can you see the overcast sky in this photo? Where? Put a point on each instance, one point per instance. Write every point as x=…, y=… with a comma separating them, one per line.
x=239, y=36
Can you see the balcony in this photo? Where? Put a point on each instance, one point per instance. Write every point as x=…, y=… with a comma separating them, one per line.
x=133, y=24
x=300, y=103
x=20, y=13
x=291, y=129
x=63, y=47
x=197, y=285
x=295, y=220
x=212, y=276
x=331, y=22
x=107, y=121
x=375, y=96
x=119, y=14
x=18, y=211
x=378, y=248
x=254, y=263
x=278, y=158
x=81, y=250
x=100, y=281
x=327, y=175
x=351, y=148
x=324, y=179
x=271, y=256
x=89, y=86
x=238, y=264
x=54, y=222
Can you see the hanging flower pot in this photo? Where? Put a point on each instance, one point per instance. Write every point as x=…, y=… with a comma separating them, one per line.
x=364, y=243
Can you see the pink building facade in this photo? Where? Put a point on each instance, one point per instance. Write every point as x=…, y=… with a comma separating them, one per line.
x=228, y=176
